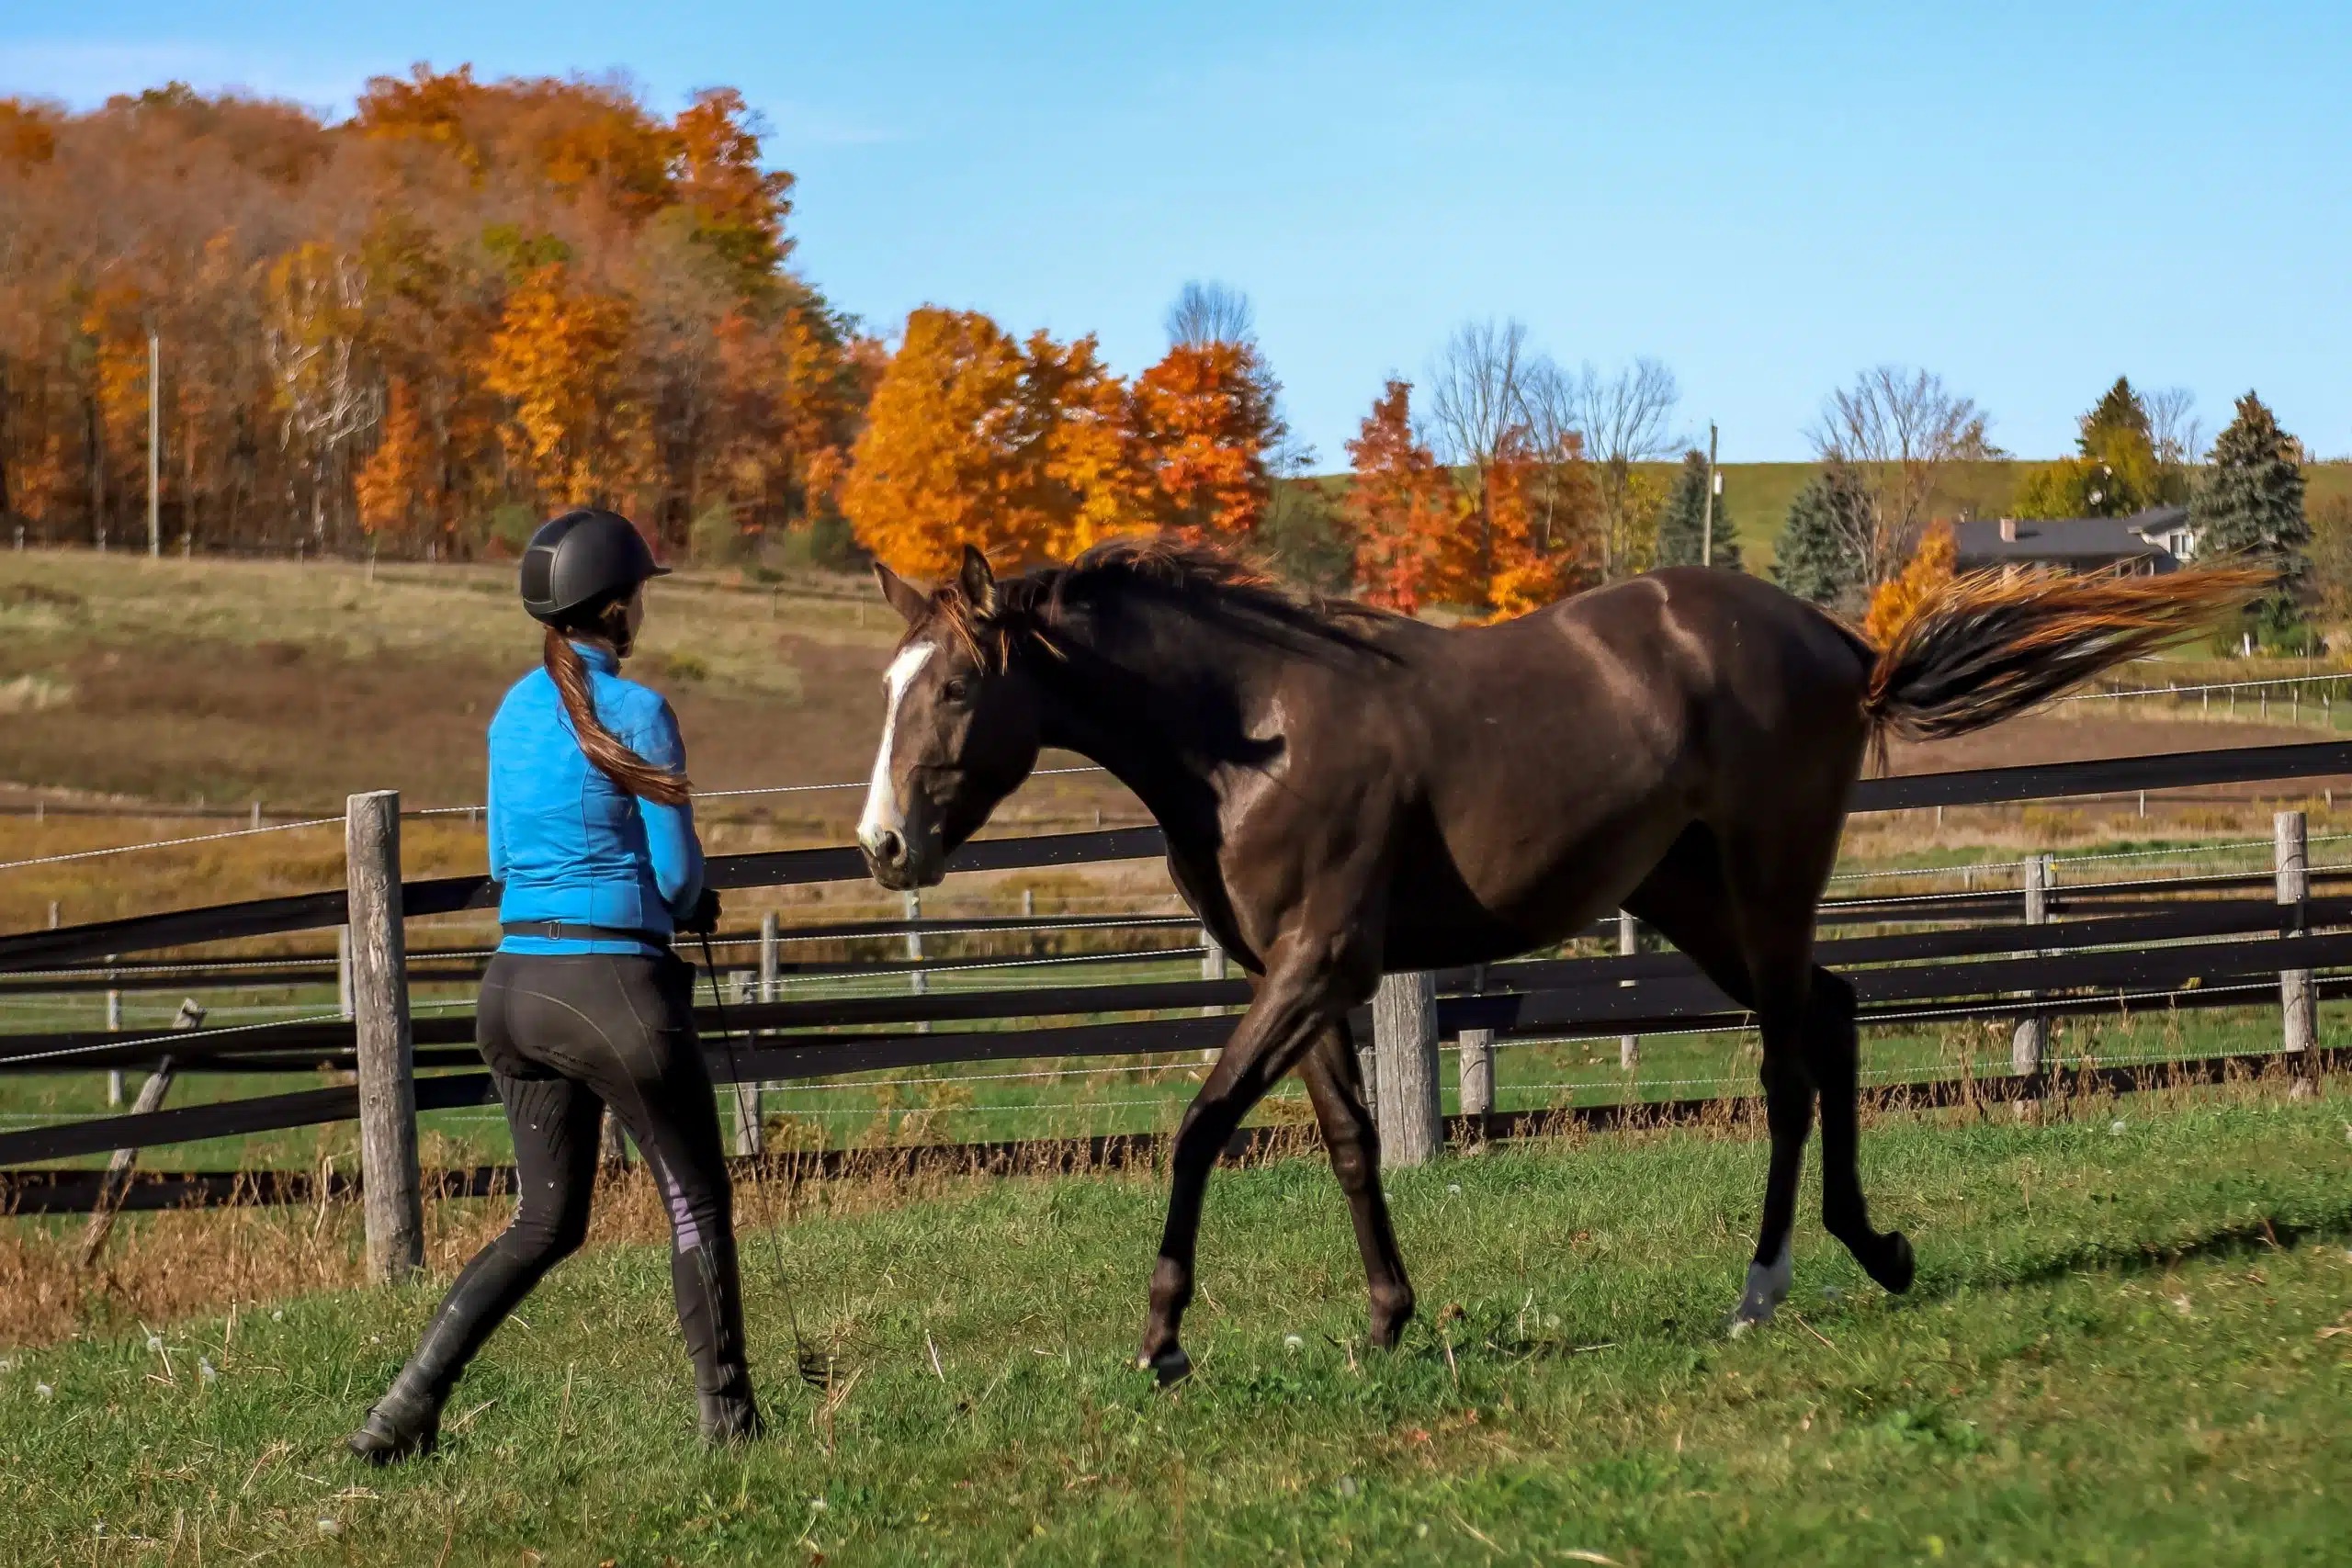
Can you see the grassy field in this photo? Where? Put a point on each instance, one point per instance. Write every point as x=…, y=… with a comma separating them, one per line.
x=2130, y=1342
x=1757, y=495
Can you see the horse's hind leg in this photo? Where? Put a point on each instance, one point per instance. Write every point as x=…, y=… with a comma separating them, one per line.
x=1833, y=1055
x=1334, y=1084
x=1745, y=916
x=1690, y=898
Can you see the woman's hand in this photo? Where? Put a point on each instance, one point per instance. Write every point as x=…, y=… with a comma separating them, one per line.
x=702, y=918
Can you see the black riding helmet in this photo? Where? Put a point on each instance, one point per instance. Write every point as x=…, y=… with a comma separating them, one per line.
x=581, y=557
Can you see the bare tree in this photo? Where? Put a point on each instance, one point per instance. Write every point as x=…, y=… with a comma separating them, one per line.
x=1550, y=396
x=1896, y=428
x=1478, y=408
x=1211, y=312
x=2173, y=429
x=1625, y=418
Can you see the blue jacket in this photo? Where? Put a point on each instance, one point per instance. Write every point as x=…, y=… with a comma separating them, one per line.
x=570, y=844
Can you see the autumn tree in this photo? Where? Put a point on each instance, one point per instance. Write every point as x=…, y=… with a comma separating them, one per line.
x=1402, y=513
x=1084, y=472
x=1206, y=415
x=938, y=465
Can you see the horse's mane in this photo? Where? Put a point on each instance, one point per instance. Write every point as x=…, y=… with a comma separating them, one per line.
x=1039, y=603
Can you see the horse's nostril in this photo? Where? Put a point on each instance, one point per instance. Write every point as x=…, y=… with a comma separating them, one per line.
x=889, y=848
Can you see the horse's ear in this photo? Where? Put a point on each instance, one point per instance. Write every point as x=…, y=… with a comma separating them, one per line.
x=903, y=596
x=977, y=581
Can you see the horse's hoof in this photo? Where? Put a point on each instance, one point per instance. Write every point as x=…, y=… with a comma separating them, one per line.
x=1768, y=1287
x=1171, y=1366
x=1895, y=1268
x=1385, y=1331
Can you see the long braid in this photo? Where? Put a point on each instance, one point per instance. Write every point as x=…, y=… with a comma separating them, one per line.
x=611, y=755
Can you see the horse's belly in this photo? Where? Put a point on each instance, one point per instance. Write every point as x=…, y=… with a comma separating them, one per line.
x=1446, y=907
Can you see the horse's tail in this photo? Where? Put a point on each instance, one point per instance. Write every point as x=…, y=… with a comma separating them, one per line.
x=1985, y=648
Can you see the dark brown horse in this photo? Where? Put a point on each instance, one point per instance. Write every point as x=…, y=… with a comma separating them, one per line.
x=1347, y=793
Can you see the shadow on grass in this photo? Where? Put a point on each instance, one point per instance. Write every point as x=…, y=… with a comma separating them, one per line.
x=2267, y=1233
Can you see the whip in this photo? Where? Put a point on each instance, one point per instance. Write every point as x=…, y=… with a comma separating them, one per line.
x=815, y=1371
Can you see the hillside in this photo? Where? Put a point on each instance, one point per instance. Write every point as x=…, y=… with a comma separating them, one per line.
x=1757, y=495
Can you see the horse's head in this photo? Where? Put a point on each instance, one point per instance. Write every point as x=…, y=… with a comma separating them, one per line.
x=960, y=730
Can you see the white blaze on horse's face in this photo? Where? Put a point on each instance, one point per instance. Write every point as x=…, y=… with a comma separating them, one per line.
x=882, y=829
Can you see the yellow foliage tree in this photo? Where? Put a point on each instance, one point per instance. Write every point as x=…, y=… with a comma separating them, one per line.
x=935, y=467
x=1895, y=600
x=560, y=357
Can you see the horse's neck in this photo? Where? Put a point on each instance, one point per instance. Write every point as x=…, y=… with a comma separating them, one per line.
x=1165, y=703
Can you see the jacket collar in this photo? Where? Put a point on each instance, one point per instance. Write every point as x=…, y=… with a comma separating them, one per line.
x=598, y=657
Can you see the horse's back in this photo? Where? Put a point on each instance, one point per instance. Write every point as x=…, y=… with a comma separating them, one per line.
x=1556, y=756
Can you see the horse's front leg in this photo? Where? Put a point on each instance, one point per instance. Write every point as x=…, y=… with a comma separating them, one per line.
x=1304, y=996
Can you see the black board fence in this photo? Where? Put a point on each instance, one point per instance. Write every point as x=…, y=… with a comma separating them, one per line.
x=2142, y=945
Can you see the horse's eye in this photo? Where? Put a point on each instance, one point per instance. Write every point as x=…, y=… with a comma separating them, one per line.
x=957, y=690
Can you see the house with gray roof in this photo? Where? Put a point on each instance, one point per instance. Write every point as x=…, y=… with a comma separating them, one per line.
x=2157, y=540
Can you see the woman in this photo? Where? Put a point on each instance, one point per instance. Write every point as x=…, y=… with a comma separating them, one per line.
x=584, y=1005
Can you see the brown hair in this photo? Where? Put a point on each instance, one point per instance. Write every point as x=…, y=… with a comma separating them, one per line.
x=611, y=755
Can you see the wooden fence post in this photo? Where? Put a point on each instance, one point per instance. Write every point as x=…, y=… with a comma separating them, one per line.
x=1404, y=1034
x=769, y=985
x=1629, y=1046
x=2030, y=1047
x=115, y=1182
x=393, y=1204
x=2296, y=1000
x=918, y=982
x=342, y=968
x=114, y=1026
x=750, y=1137
x=1475, y=1068
x=1212, y=968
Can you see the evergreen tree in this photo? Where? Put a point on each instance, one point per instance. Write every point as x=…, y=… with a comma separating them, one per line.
x=1814, y=558
x=2251, y=502
x=1682, y=523
x=2116, y=473
x=2119, y=413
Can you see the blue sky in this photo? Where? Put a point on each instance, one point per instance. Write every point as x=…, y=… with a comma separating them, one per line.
x=2026, y=198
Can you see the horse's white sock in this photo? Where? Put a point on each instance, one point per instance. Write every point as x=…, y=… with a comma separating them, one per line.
x=1768, y=1287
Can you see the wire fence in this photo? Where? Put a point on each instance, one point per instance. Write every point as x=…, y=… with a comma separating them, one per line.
x=973, y=1025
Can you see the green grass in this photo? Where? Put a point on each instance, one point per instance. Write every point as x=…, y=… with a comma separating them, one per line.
x=2118, y=1351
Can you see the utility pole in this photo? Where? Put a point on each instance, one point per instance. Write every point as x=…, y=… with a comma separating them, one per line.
x=1707, y=528
x=154, y=443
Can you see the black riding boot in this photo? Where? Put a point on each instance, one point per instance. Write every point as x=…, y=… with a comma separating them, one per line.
x=407, y=1420
x=711, y=1313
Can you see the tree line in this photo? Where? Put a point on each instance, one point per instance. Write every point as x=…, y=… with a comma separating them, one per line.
x=421, y=329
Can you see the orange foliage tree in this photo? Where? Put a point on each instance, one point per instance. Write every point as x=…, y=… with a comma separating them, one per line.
x=1403, y=514
x=1206, y=415
x=1900, y=597
x=1025, y=450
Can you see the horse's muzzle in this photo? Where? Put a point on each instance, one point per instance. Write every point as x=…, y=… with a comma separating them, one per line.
x=899, y=862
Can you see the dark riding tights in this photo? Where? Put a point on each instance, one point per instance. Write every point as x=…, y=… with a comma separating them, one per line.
x=565, y=1037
